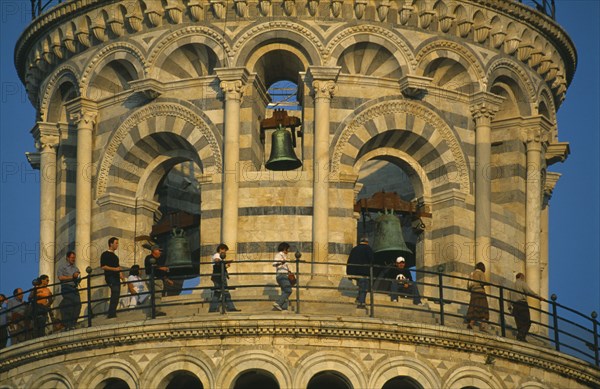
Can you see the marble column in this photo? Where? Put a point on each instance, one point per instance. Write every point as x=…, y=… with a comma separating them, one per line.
x=483, y=108
x=323, y=83
x=232, y=84
x=534, y=138
x=47, y=137
x=83, y=113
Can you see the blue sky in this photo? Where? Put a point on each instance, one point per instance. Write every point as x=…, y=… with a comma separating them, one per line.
x=574, y=217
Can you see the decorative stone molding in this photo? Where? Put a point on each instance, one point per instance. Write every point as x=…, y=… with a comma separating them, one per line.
x=181, y=329
x=128, y=202
x=148, y=111
x=67, y=72
x=557, y=152
x=412, y=108
x=233, y=82
x=359, y=8
x=414, y=86
x=82, y=112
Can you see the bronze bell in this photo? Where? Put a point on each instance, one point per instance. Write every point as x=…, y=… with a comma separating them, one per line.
x=282, y=156
x=388, y=235
x=179, y=257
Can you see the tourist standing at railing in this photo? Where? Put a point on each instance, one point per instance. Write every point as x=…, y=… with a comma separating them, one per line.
x=402, y=282
x=161, y=272
x=220, y=281
x=69, y=277
x=281, y=276
x=18, y=317
x=520, y=307
x=359, y=260
x=478, y=306
x=41, y=297
x=109, y=262
x=3, y=322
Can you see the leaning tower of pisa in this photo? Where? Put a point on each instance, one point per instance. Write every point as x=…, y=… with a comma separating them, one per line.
x=152, y=108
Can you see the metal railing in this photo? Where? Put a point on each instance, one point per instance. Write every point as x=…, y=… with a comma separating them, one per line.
x=547, y=7
x=558, y=326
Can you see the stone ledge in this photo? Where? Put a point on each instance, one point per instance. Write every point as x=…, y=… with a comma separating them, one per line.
x=307, y=327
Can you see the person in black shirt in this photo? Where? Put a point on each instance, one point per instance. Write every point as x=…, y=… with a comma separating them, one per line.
x=160, y=274
x=360, y=258
x=402, y=282
x=109, y=262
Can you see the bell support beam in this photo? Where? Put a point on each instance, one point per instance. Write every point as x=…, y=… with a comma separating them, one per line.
x=47, y=138
x=323, y=89
x=233, y=82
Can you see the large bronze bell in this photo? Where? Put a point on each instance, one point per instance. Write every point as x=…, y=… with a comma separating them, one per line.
x=179, y=257
x=282, y=156
x=388, y=235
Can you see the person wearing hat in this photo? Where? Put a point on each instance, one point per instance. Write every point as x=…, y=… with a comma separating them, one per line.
x=359, y=260
x=402, y=283
x=161, y=272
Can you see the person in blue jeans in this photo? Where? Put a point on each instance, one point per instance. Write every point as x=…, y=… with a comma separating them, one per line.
x=220, y=281
x=281, y=276
x=359, y=260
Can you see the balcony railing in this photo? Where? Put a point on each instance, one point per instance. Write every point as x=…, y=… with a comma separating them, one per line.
x=546, y=7
x=445, y=297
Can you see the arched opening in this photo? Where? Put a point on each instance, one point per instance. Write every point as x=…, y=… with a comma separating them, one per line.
x=402, y=382
x=448, y=74
x=184, y=380
x=329, y=380
x=57, y=111
x=256, y=379
x=113, y=78
x=369, y=59
x=189, y=61
x=113, y=383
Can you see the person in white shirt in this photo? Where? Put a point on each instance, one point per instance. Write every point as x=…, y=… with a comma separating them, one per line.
x=520, y=307
x=220, y=281
x=137, y=288
x=281, y=276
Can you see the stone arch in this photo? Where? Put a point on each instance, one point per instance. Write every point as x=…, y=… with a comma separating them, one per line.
x=347, y=37
x=419, y=181
x=545, y=96
x=509, y=67
x=63, y=74
x=188, y=35
x=296, y=61
x=532, y=385
x=237, y=363
x=196, y=128
x=52, y=380
x=123, y=368
x=436, y=48
x=373, y=119
x=161, y=366
x=313, y=363
x=386, y=369
x=296, y=34
x=116, y=51
x=472, y=376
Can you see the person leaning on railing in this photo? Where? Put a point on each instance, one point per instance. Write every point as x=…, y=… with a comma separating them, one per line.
x=41, y=298
x=70, y=306
x=520, y=307
x=18, y=317
x=281, y=276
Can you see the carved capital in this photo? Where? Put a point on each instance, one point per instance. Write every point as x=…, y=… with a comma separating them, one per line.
x=82, y=112
x=232, y=89
x=233, y=82
x=323, y=89
x=484, y=106
x=46, y=135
